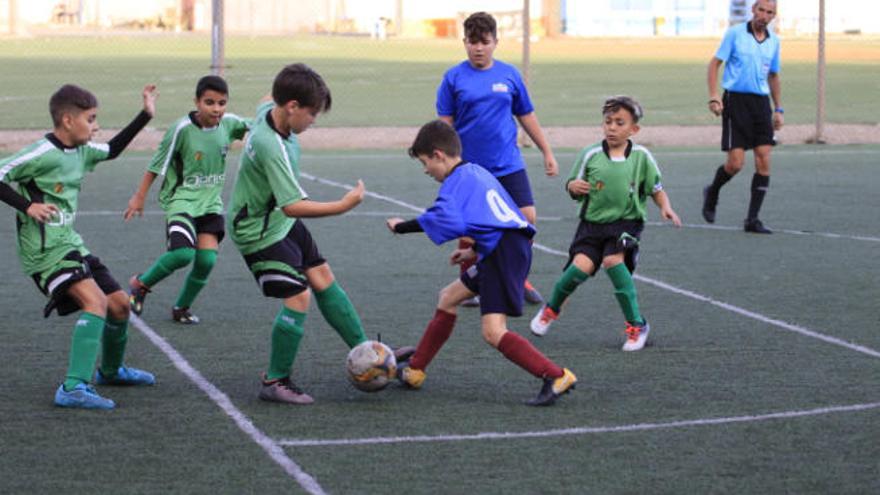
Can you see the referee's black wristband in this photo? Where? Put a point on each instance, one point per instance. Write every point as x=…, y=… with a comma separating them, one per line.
x=408, y=227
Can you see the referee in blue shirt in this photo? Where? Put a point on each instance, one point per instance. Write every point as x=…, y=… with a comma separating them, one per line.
x=750, y=54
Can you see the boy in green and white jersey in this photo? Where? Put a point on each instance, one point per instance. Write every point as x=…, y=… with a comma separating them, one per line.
x=265, y=223
x=192, y=159
x=49, y=175
x=611, y=182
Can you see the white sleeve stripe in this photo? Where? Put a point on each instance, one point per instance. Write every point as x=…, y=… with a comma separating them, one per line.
x=183, y=123
x=280, y=142
x=650, y=157
x=40, y=150
x=99, y=146
x=586, y=159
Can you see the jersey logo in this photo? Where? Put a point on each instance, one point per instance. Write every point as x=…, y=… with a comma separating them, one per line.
x=198, y=156
x=59, y=188
x=500, y=88
x=600, y=185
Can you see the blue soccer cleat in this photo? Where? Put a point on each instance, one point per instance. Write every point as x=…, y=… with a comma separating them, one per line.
x=126, y=376
x=83, y=396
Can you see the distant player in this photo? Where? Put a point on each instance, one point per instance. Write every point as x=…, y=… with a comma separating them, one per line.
x=49, y=174
x=265, y=223
x=472, y=203
x=192, y=159
x=750, y=54
x=480, y=98
x=611, y=181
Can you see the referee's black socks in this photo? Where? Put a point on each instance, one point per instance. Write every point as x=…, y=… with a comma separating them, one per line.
x=760, y=184
x=721, y=178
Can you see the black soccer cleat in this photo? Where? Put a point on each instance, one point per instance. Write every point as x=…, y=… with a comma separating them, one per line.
x=755, y=226
x=553, y=388
x=403, y=353
x=710, y=202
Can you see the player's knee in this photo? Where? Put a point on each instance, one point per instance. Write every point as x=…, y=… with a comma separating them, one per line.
x=182, y=257
x=612, y=261
x=492, y=334
x=204, y=260
x=117, y=306
x=95, y=303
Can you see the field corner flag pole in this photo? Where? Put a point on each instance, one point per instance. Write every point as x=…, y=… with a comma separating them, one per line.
x=819, y=138
x=217, y=35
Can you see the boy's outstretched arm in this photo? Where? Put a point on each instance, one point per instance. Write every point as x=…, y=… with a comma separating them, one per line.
x=307, y=208
x=136, y=202
x=666, y=211
x=121, y=140
x=41, y=212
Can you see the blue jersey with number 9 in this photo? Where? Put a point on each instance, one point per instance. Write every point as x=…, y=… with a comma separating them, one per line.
x=471, y=202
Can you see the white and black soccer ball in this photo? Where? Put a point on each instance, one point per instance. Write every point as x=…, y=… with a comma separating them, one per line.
x=371, y=366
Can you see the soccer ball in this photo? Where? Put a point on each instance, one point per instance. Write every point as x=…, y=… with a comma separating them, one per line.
x=371, y=366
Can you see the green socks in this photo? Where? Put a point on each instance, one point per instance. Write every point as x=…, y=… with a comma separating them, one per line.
x=166, y=265
x=197, y=278
x=340, y=314
x=287, y=332
x=625, y=292
x=565, y=286
x=113, y=346
x=84, y=349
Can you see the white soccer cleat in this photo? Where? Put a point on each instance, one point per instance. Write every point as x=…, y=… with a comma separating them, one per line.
x=542, y=321
x=636, y=336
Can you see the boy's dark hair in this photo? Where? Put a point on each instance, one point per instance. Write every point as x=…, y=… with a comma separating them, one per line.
x=627, y=103
x=213, y=83
x=436, y=135
x=478, y=25
x=70, y=99
x=299, y=82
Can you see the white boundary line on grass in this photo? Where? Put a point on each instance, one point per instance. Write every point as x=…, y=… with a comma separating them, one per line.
x=586, y=430
x=354, y=213
x=657, y=283
x=223, y=401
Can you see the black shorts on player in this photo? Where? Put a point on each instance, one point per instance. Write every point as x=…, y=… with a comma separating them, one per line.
x=598, y=240
x=280, y=269
x=73, y=268
x=747, y=121
x=182, y=230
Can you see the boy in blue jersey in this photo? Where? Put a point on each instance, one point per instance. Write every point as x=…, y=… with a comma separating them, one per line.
x=192, y=159
x=611, y=181
x=480, y=98
x=49, y=174
x=472, y=203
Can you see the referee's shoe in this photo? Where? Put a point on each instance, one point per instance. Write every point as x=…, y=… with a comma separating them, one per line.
x=755, y=226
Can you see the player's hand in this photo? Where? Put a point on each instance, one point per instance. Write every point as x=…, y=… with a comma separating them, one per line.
x=579, y=187
x=135, y=208
x=392, y=222
x=460, y=256
x=778, y=121
x=551, y=168
x=354, y=197
x=669, y=214
x=150, y=94
x=716, y=107
x=42, y=212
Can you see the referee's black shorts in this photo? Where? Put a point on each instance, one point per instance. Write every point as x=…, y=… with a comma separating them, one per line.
x=747, y=121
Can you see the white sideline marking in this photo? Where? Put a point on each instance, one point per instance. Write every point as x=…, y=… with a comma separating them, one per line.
x=586, y=430
x=657, y=283
x=271, y=447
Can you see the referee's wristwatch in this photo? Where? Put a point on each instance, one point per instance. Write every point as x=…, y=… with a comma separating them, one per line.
x=779, y=110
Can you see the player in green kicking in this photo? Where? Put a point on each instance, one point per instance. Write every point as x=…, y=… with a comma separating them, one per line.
x=49, y=175
x=265, y=223
x=611, y=182
x=192, y=158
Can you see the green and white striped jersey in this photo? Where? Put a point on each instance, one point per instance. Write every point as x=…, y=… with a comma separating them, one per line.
x=619, y=189
x=192, y=160
x=268, y=179
x=47, y=172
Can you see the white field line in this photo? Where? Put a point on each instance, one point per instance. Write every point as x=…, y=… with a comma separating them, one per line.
x=356, y=213
x=272, y=448
x=657, y=283
x=586, y=430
